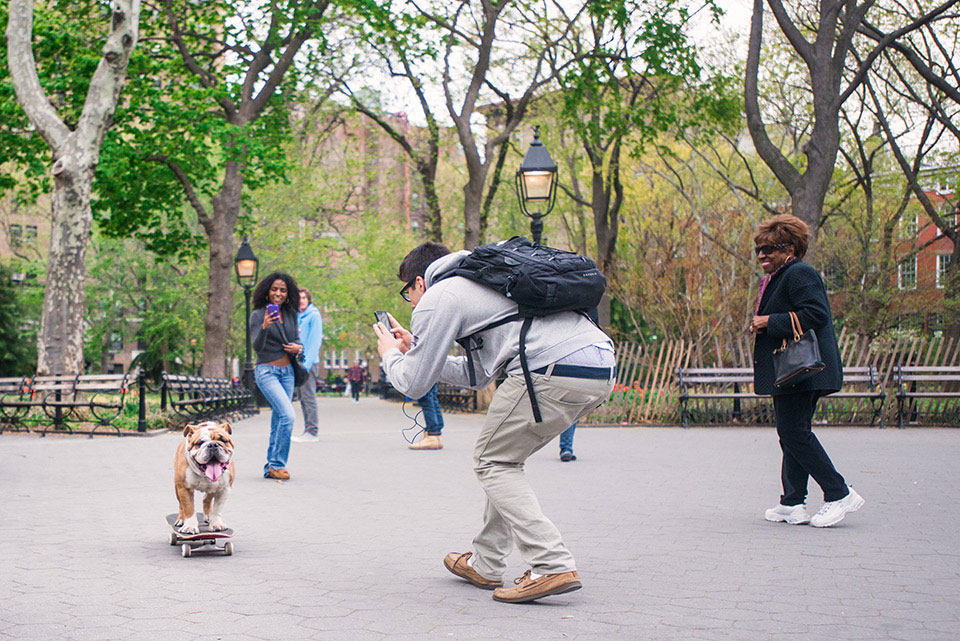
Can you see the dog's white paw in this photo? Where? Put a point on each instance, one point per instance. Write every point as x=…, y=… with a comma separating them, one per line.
x=190, y=526
x=217, y=524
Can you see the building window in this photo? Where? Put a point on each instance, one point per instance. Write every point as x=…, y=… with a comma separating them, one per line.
x=949, y=215
x=908, y=225
x=942, y=261
x=907, y=273
x=31, y=231
x=16, y=231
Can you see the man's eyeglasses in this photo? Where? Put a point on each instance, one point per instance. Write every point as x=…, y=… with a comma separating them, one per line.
x=766, y=250
x=405, y=292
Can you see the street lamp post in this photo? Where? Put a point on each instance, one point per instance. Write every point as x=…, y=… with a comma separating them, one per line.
x=247, y=267
x=193, y=356
x=537, y=185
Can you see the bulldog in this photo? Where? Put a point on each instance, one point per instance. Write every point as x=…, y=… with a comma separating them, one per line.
x=203, y=462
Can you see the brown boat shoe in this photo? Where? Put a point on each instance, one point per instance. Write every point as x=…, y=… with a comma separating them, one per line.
x=456, y=562
x=529, y=589
x=282, y=474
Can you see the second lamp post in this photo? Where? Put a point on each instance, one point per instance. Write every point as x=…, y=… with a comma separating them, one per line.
x=247, y=266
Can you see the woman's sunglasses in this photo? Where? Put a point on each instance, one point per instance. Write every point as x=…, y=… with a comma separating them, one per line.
x=405, y=292
x=766, y=250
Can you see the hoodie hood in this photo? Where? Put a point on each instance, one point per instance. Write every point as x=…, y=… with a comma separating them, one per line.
x=442, y=265
x=311, y=310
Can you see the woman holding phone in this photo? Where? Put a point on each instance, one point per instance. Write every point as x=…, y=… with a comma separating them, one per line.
x=273, y=331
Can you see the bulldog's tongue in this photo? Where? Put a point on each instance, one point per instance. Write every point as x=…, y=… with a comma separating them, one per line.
x=213, y=470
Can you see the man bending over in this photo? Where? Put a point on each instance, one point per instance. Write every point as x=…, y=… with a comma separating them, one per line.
x=572, y=367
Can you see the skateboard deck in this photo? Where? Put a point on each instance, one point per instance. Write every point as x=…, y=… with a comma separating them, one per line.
x=205, y=537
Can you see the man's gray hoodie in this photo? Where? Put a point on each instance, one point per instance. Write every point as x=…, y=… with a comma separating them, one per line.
x=457, y=307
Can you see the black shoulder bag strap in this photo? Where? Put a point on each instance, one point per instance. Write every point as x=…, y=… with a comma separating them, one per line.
x=526, y=370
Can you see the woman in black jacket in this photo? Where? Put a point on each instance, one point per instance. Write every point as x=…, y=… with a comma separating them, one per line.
x=275, y=339
x=790, y=285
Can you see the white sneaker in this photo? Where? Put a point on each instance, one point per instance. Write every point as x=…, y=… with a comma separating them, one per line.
x=792, y=514
x=833, y=512
x=306, y=437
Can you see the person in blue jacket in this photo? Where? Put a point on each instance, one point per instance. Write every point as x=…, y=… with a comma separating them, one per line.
x=310, y=323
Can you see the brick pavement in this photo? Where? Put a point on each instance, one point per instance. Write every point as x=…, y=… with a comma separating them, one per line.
x=666, y=525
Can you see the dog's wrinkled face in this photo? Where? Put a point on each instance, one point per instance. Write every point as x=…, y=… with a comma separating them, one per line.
x=210, y=447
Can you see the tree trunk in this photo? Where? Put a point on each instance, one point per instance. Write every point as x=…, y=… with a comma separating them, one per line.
x=60, y=349
x=472, y=203
x=75, y=155
x=219, y=228
x=605, y=232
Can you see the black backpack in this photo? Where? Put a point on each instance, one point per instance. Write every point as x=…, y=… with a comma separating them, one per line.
x=540, y=280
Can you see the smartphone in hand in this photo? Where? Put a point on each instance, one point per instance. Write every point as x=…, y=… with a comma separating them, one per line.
x=273, y=310
x=384, y=320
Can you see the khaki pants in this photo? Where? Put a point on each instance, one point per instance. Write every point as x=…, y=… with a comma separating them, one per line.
x=509, y=437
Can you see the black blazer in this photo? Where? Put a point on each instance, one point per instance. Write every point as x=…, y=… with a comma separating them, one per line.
x=796, y=288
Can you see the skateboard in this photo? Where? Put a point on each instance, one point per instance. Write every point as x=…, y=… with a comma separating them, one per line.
x=204, y=540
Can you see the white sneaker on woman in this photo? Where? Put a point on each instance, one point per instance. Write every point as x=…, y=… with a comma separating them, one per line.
x=833, y=512
x=792, y=514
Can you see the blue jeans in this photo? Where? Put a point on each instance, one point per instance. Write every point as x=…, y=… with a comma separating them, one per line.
x=276, y=383
x=431, y=412
x=566, y=439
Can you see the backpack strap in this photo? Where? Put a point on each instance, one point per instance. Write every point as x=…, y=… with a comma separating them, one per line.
x=474, y=341
x=526, y=370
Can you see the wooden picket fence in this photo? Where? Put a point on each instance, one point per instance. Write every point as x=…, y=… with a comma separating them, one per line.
x=646, y=392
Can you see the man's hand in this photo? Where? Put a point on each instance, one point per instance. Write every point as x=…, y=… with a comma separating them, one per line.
x=758, y=323
x=399, y=332
x=386, y=340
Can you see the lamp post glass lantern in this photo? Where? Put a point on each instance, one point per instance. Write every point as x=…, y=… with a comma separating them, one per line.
x=537, y=185
x=247, y=266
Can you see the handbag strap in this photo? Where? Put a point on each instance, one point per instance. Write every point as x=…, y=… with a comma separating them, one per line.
x=795, y=325
x=283, y=333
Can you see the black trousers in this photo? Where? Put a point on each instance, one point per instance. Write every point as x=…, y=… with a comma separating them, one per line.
x=803, y=456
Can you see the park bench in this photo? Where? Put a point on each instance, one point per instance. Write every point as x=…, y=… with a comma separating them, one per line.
x=456, y=398
x=197, y=398
x=13, y=389
x=939, y=384
x=736, y=383
x=715, y=383
x=63, y=397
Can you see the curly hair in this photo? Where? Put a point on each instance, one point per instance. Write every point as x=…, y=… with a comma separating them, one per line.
x=292, y=304
x=784, y=229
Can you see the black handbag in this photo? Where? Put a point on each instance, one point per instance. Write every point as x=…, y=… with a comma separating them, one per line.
x=299, y=371
x=796, y=360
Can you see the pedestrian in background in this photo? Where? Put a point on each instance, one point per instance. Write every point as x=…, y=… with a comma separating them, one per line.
x=310, y=323
x=275, y=339
x=356, y=376
x=433, y=417
x=791, y=285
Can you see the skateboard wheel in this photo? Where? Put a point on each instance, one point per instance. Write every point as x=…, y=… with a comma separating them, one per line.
x=185, y=550
x=173, y=539
x=228, y=548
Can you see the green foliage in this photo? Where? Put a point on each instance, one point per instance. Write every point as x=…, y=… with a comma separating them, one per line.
x=134, y=295
x=67, y=41
x=643, y=75
x=18, y=352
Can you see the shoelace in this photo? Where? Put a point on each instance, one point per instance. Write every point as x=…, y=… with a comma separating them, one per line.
x=826, y=506
x=526, y=575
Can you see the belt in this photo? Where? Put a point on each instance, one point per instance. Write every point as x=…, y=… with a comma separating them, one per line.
x=579, y=371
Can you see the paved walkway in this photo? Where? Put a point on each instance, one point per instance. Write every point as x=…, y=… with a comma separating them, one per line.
x=666, y=525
